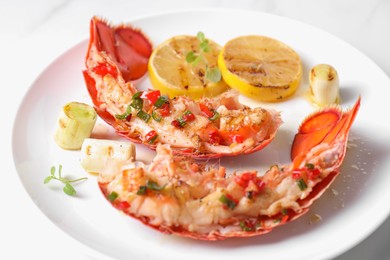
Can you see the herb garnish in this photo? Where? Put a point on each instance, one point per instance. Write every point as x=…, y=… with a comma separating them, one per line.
x=212, y=73
x=68, y=188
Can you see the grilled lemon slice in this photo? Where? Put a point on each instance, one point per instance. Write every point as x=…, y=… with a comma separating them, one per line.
x=172, y=74
x=260, y=67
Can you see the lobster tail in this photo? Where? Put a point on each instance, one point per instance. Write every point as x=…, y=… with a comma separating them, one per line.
x=324, y=126
x=126, y=46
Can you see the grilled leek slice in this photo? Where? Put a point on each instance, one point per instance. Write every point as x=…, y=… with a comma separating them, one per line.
x=97, y=153
x=75, y=123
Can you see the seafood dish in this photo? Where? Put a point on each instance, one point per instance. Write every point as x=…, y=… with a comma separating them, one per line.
x=205, y=128
x=176, y=193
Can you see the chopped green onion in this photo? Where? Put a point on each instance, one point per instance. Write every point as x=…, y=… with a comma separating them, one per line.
x=143, y=115
x=161, y=101
x=137, y=103
x=215, y=116
x=125, y=114
x=151, y=185
x=227, y=202
x=154, y=186
x=310, y=166
x=301, y=184
x=156, y=116
x=112, y=196
x=137, y=95
x=142, y=190
x=153, y=139
x=245, y=227
x=284, y=212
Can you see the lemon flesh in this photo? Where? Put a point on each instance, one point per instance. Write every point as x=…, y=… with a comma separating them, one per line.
x=173, y=75
x=260, y=67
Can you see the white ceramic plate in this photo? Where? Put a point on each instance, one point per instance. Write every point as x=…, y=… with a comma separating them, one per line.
x=350, y=211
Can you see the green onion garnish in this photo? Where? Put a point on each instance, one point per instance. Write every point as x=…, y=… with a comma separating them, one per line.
x=310, y=166
x=137, y=103
x=301, y=184
x=153, y=139
x=154, y=186
x=215, y=116
x=244, y=227
x=156, y=116
x=142, y=190
x=161, y=101
x=137, y=95
x=227, y=202
x=143, y=115
x=112, y=196
x=125, y=114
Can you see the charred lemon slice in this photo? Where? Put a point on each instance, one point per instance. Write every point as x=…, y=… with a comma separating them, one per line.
x=172, y=74
x=260, y=67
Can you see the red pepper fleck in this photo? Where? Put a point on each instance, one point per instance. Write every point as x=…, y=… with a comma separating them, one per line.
x=122, y=205
x=151, y=136
x=188, y=117
x=314, y=173
x=245, y=179
x=305, y=171
x=284, y=219
x=214, y=137
x=152, y=96
x=103, y=69
x=296, y=174
x=176, y=124
x=205, y=110
x=236, y=138
x=164, y=110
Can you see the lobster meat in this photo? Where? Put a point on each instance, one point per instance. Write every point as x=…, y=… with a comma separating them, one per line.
x=177, y=195
x=205, y=128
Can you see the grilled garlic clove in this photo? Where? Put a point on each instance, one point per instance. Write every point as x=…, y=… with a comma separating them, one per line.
x=324, y=85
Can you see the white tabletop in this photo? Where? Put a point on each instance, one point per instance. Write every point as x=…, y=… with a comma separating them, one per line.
x=34, y=33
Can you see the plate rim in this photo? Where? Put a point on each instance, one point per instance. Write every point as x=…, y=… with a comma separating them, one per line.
x=181, y=11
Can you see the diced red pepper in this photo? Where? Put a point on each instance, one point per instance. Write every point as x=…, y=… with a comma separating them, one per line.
x=123, y=205
x=296, y=174
x=245, y=178
x=151, y=136
x=152, y=96
x=305, y=173
x=188, y=117
x=164, y=110
x=205, y=110
x=176, y=124
x=314, y=173
x=104, y=68
x=214, y=137
x=236, y=138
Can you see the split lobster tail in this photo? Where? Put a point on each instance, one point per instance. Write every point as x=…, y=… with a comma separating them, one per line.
x=323, y=126
x=176, y=195
x=206, y=128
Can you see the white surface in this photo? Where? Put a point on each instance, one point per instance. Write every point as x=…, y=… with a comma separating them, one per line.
x=35, y=33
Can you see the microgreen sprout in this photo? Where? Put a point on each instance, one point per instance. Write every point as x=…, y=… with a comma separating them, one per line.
x=68, y=188
x=213, y=74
